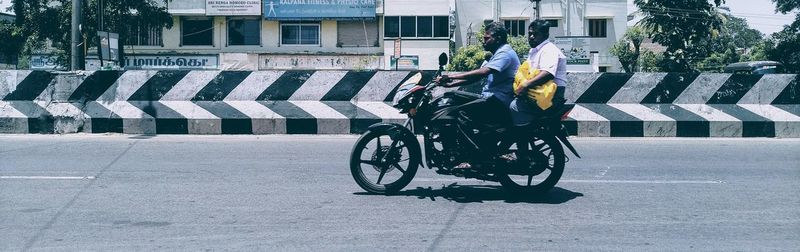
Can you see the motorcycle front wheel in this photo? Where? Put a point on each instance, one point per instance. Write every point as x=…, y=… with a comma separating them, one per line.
x=383, y=165
x=543, y=171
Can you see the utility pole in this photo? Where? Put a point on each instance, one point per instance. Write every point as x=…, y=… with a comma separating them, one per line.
x=569, y=18
x=537, y=8
x=100, y=28
x=76, y=35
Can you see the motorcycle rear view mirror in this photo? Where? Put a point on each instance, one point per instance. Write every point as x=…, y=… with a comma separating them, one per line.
x=442, y=59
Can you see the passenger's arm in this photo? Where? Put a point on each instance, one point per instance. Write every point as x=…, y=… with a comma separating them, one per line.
x=548, y=65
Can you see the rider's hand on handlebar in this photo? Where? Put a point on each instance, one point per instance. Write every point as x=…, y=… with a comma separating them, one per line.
x=443, y=80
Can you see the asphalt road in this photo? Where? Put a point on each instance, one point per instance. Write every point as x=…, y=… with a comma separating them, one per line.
x=241, y=193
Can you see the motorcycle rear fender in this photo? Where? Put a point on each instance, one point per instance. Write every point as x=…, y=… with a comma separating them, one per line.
x=397, y=131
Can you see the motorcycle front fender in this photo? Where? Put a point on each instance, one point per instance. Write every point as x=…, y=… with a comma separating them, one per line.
x=399, y=132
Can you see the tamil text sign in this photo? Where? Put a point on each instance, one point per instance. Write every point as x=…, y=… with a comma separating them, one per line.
x=171, y=62
x=318, y=9
x=233, y=7
x=45, y=62
x=319, y=62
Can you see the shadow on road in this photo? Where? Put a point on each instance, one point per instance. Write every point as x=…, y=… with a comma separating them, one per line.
x=482, y=193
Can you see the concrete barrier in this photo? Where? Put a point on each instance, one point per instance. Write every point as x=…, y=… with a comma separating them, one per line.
x=343, y=102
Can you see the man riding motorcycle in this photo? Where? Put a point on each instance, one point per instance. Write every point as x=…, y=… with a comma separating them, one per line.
x=497, y=92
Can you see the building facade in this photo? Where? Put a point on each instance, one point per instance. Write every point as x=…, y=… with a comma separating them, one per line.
x=356, y=34
x=295, y=34
x=583, y=29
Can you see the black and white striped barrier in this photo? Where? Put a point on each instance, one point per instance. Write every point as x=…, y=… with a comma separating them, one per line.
x=343, y=102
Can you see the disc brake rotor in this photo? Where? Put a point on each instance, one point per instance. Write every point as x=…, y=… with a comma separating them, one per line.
x=539, y=165
x=392, y=158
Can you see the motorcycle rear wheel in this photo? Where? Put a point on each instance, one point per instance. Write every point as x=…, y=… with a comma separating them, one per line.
x=547, y=166
x=377, y=158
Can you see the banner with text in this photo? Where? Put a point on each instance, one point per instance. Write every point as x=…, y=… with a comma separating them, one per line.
x=318, y=9
x=575, y=48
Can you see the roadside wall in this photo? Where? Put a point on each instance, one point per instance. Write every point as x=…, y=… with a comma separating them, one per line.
x=342, y=102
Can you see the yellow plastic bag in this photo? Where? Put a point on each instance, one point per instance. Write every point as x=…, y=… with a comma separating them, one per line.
x=542, y=94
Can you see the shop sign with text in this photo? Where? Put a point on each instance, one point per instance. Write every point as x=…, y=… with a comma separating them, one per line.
x=196, y=62
x=576, y=50
x=318, y=9
x=233, y=7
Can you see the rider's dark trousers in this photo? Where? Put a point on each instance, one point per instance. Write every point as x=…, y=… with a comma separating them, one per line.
x=488, y=111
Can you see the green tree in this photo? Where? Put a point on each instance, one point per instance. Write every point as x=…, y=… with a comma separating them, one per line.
x=738, y=32
x=717, y=61
x=760, y=51
x=788, y=40
x=685, y=27
x=650, y=61
x=628, y=48
x=10, y=41
x=736, y=36
x=39, y=21
x=467, y=58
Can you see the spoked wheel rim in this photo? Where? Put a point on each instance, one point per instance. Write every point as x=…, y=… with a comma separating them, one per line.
x=381, y=164
x=542, y=172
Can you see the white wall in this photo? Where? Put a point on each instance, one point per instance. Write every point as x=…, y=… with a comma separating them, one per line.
x=471, y=13
x=5, y=4
x=516, y=9
x=617, y=13
x=427, y=50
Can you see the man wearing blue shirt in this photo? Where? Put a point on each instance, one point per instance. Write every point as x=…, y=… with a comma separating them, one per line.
x=499, y=71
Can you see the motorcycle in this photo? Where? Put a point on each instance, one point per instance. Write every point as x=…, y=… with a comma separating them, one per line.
x=386, y=157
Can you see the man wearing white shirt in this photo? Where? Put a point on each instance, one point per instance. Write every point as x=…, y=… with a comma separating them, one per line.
x=552, y=63
x=545, y=56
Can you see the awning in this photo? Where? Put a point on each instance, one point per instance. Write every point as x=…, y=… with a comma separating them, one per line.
x=551, y=10
x=602, y=12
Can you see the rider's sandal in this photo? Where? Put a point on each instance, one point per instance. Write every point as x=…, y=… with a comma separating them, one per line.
x=463, y=165
x=510, y=157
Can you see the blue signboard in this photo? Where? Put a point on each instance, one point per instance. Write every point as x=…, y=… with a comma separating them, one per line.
x=318, y=9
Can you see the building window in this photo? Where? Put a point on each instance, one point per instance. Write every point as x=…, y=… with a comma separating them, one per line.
x=425, y=27
x=515, y=27
x=597, y=28
x=391, y=27
x=300, y=33
x=362, y=33
x=441, y=26
x=552, y=22
x=603, y=69
x=197, y=31
x=416, y=27
x=244, y=31
x=408, y=27
x=143, y=35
